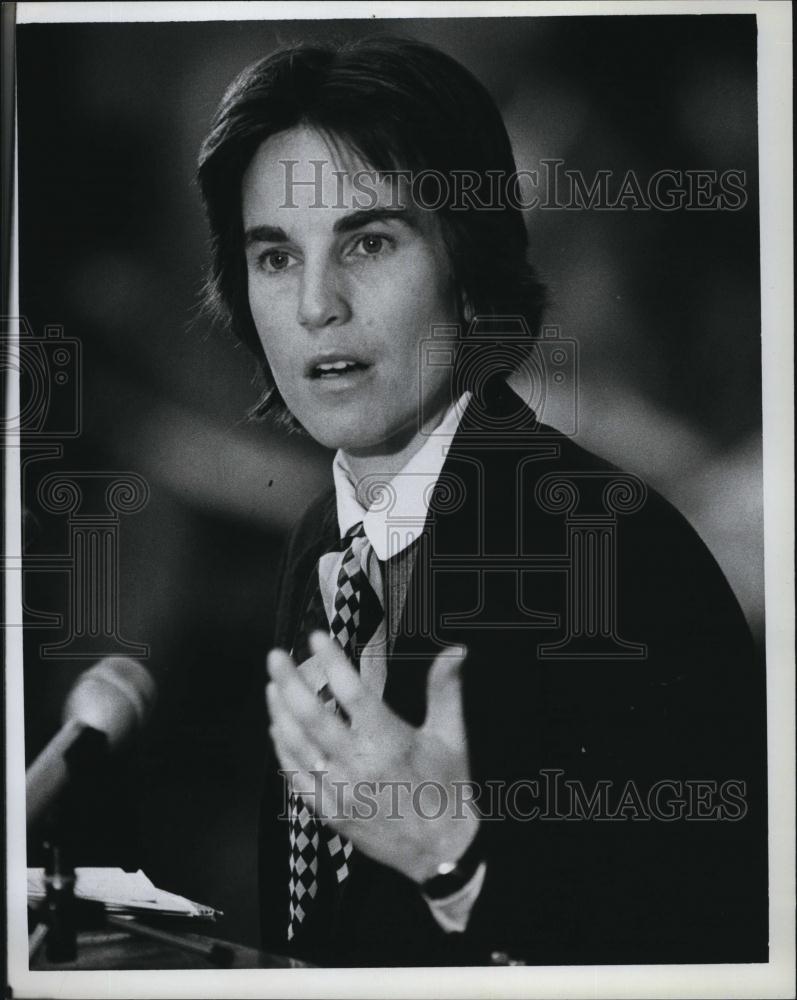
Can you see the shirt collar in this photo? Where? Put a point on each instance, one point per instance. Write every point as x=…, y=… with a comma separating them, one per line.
x=395, y=515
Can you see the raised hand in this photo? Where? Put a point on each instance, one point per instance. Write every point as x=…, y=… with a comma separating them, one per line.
x=398, y=792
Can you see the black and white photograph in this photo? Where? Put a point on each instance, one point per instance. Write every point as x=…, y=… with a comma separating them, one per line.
x=398, y=477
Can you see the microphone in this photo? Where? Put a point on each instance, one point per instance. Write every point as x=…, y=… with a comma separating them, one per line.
x=112, y=700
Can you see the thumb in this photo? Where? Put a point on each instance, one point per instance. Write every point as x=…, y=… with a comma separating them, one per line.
x=444, y=715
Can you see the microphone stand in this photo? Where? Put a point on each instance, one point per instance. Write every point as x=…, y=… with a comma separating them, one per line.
x=58, y=913
x=61, y=914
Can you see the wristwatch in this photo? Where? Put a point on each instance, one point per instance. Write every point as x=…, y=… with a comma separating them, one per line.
x=454, y=875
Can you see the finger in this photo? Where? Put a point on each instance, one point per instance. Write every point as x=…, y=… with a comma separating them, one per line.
x=321, y=725
x=294, y=761
x=344, y=681
x=444, y=712
x=316, y=787
x=301, y=781
x=287, y=760
x=313, y=724
x=301, y=744
x=280, y=664
x=308, y=754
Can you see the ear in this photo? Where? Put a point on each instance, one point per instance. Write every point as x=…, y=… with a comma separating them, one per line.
x=468, y=311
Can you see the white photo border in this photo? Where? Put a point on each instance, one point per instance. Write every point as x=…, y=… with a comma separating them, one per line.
x=774, y=979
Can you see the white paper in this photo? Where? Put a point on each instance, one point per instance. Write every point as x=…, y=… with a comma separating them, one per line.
x=123, y=891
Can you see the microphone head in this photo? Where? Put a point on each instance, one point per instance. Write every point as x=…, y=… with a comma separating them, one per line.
x=115, y=696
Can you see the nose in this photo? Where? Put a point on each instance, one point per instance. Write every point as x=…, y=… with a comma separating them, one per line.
x=322, y=301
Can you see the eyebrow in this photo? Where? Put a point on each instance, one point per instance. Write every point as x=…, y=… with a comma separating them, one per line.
x=346, y=224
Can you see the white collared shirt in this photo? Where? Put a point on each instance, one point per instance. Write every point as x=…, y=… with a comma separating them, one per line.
x=393, y=517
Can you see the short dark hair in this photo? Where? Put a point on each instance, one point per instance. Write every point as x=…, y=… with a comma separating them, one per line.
x=398, y=104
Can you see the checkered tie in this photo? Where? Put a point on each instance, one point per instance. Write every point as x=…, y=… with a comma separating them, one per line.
x=357, y=612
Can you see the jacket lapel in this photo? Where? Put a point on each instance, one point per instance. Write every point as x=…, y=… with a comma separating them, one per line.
x=472, y=518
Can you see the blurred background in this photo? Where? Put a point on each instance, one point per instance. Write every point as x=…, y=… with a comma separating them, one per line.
x=664, y=307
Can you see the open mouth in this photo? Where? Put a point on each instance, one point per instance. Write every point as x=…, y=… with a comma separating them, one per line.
x=334, y=369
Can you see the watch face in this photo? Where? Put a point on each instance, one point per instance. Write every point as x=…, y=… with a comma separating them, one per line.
x=452, y=877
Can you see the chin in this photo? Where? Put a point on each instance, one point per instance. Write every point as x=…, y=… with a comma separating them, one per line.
x=353, y=438
x=334, y=435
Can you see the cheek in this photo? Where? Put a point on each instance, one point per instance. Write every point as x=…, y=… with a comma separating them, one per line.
x=269, y=317
x=410, y=298
x=406, y=312
x=259, y=315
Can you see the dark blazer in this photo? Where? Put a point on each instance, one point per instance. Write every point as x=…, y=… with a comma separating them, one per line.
x=607, y=655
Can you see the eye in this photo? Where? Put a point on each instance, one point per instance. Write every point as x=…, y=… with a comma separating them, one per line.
x=371, y=245
x=274, y=260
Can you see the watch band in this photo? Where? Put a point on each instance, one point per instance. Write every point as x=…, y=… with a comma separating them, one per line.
x=453, y=876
